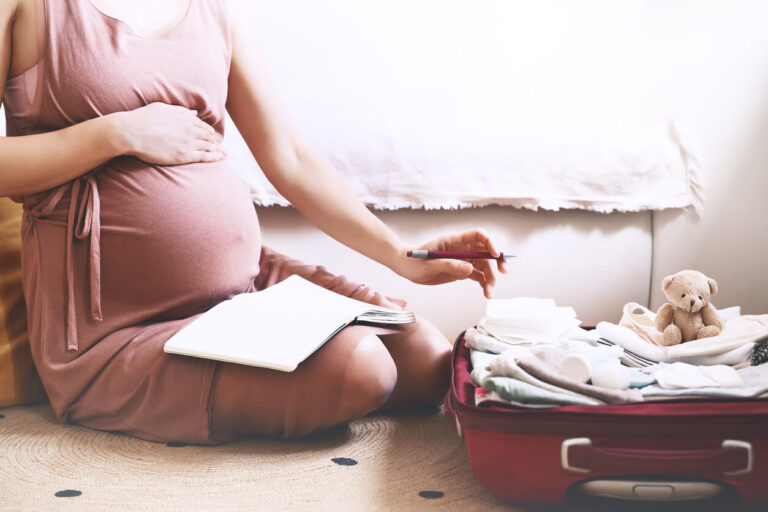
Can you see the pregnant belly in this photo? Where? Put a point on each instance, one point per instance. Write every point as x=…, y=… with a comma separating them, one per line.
x=175, y=239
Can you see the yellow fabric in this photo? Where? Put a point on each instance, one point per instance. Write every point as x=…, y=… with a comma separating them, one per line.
x=19, y=382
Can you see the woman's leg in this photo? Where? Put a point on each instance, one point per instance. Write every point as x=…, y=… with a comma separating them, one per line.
x=421, y=353
x=353, y=374
x=350, y=376
x=422, y=356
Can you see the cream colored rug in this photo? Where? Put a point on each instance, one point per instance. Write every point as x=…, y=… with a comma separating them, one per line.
x=399, y=462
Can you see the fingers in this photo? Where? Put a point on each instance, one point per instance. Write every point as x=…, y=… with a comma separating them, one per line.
x=204, y=127
x=208, y=148
x=206, y=135
x=206, y=156
x=397, y=303
x=484, y=266
x=456, y=268
x=479, y=237
x=480, y=270
x=206, y=145
x=483, y=274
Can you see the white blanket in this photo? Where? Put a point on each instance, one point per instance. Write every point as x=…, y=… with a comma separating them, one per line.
x=451, y=103
x=731, y=347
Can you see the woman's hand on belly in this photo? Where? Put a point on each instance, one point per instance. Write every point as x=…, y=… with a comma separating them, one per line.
x=164, y=134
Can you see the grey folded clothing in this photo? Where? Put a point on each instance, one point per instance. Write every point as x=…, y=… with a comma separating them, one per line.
x=515, y=390
x=523, y=365
x=541, y=371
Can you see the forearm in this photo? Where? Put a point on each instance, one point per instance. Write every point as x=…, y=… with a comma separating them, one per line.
x=321, y=195
x=33, y=163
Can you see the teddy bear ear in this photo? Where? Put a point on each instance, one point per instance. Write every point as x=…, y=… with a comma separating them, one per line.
x=666, y=282
x=712, y=285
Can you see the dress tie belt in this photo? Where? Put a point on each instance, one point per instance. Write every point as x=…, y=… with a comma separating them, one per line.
x=83, y=220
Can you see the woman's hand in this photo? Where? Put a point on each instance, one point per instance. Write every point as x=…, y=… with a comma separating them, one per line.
x=439, y=271
x=164, y=134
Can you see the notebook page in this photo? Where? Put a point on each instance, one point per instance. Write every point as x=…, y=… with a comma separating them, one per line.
x=275, y=328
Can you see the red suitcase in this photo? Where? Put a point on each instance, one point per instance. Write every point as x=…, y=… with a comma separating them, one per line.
x=672, y=451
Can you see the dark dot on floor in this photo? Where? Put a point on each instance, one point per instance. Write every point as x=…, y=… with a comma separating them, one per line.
x=344, y=461
x=68, y=493
x=431, y=495
x=2, y=415
x=174, y=444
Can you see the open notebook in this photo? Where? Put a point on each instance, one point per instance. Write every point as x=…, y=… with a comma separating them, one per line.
x=277, y=327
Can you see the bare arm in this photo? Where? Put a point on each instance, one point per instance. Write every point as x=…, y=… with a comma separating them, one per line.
x=311, y=184
x=156, y=133
x=304, y=177
x=38, y=162
x=34, y=163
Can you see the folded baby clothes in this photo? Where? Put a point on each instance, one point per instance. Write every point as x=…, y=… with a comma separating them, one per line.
x=514, y=390
x=754, y=378
x=576, y=361
x=631, y=341
x=477, y=340
x=733, y=346
x=641, y=321
x=536, y=368
x=523, y=365
x=489, y=395
x=506, y=365
x=736, y=333
x=686, y=376
x=527, y=318
x=480, y=361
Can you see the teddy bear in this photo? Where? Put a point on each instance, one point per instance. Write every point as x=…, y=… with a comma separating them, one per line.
x=689, y=315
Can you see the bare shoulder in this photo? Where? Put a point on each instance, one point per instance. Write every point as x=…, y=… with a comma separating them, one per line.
x=8, y=11
x=237, y=11
x=25, y=21
x=11, y=6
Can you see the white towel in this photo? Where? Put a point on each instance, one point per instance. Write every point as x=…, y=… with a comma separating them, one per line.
x=526, y=318
x=755, y=380
x=708, y=351
x=448, y=103
x=686, y=376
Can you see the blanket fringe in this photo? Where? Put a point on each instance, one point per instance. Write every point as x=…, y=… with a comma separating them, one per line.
x=692, y=165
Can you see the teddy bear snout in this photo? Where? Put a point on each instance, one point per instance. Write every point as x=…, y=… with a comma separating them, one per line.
x=696, y=305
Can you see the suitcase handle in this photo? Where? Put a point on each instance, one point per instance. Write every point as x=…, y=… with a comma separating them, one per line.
x=732, y=458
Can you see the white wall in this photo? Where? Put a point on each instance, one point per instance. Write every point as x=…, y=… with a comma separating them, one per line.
x=709, y=72
x=593, y=262
x=712, y=71
x=716, y=76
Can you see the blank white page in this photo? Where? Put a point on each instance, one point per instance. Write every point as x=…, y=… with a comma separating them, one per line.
x=275, y=328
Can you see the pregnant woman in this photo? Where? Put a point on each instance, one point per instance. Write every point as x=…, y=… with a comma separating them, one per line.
x=134, y=224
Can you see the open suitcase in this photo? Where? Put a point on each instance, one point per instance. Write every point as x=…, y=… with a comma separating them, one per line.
x=680, y=451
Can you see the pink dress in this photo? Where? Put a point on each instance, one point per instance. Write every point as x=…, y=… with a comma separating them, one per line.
x=118, y=260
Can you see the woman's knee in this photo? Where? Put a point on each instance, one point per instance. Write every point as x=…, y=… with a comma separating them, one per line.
x=423, y=358
x=370, y=378
x=437, y=369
